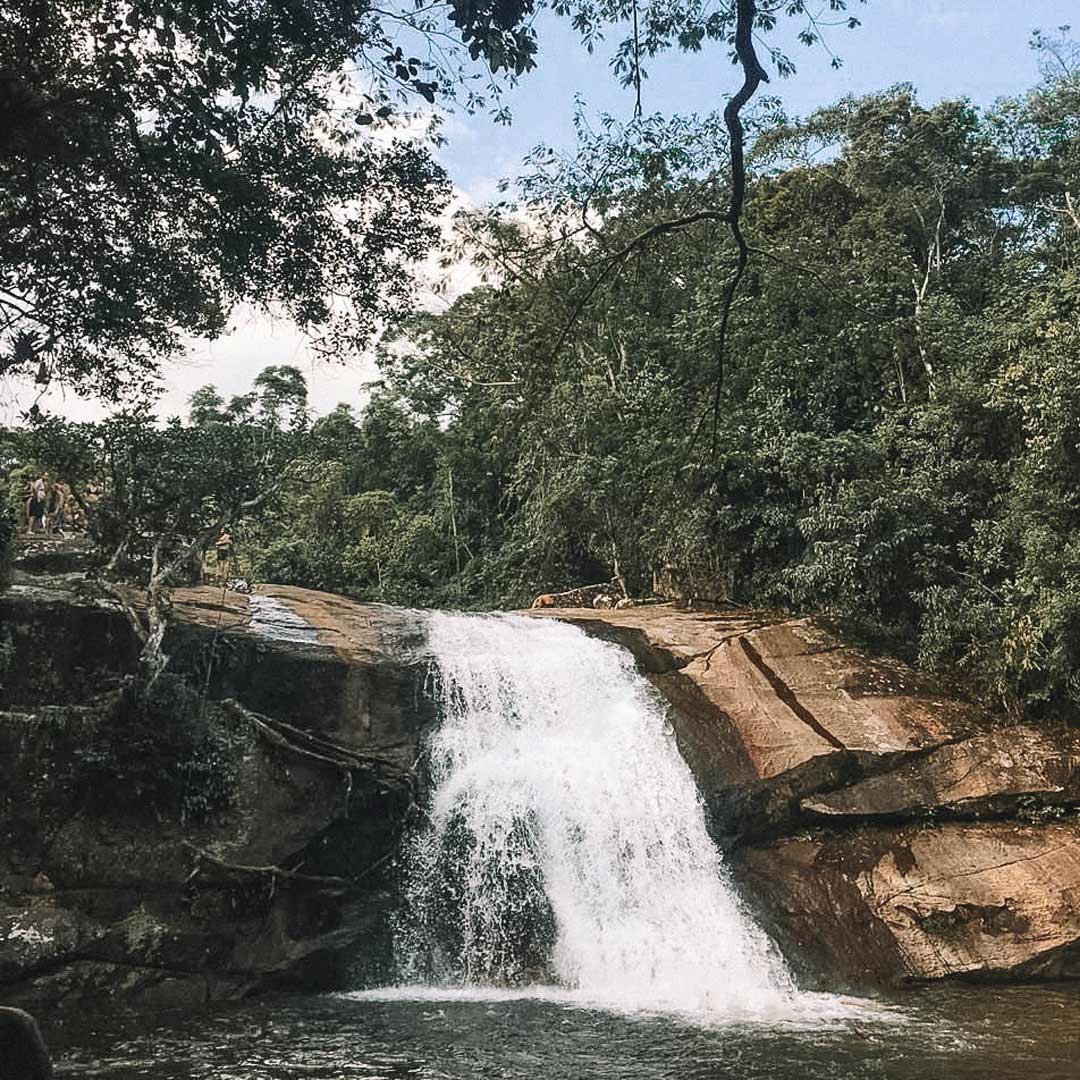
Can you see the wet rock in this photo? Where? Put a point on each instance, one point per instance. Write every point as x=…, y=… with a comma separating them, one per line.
x=995, y=773
x=996, y=900
x=353, y=675
x=230, y=831
x=246, y=896
x=23, y=1054
x=325, y=663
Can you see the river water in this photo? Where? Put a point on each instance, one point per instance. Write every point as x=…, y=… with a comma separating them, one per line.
x=958, y=1033
x=566, y=917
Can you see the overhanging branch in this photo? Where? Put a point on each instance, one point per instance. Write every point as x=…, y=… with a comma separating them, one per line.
x=753, y=76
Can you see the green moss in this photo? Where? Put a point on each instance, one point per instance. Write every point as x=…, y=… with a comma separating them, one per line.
x=164, y=748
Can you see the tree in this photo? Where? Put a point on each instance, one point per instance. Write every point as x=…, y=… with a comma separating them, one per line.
x=360, y=514
x=206, y=406
x=897, y=442
x=164, y=162
x=157, y=496
x=12, y=494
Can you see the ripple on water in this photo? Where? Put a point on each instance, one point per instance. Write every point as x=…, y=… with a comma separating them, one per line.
x=956, y=1033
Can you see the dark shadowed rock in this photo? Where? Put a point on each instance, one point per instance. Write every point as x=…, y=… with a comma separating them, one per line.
x=23, y=1055
x=347, y=670
x=254, y=850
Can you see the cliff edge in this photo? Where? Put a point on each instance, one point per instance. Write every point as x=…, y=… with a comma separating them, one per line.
x=884, y=829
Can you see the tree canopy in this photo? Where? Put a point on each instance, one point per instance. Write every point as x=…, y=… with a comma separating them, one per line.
x=896, y=441
x=163, y=162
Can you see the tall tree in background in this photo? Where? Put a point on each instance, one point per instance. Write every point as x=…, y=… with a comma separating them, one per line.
x=898, y=442
x=161, y=163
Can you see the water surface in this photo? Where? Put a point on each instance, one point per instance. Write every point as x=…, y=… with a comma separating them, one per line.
x=957, y=1033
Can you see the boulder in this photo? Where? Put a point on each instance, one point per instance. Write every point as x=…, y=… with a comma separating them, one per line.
x=349, y=671
x=996, y=900
x=22, y=1049
x=232, y=829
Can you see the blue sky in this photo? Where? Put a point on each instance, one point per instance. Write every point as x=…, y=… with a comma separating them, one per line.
x=946, y=48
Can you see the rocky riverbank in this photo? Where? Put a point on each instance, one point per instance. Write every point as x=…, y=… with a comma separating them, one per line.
x=228, y=831
x=884, y=830
x=234, y=829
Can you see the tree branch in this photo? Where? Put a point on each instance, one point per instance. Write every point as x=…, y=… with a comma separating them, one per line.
x=753, y=76
x=269, y=871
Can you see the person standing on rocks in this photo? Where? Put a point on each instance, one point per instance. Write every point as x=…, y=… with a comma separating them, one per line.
x=35, y=504
x=224, y=550
x=53, y=521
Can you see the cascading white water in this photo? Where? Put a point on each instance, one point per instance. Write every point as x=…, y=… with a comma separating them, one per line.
x=565, y=838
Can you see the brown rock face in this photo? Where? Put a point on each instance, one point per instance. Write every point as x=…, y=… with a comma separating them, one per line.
x=993, y=773
x=884, y=830
x=768, y=710
x=799, y=744
x=999, y=900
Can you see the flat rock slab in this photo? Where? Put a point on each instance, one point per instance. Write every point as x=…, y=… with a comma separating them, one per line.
x=989, y=900
x=663, y=637
x=357, y=632
x=344, y=669
x=763, y=700
x=990, y=773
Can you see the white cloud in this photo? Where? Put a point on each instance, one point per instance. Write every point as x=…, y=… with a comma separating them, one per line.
x=255, y=341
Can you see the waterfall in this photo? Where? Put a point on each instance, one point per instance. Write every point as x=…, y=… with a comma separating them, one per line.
x=565, y=839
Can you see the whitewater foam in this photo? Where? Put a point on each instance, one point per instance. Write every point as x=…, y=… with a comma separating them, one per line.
x=565, y=840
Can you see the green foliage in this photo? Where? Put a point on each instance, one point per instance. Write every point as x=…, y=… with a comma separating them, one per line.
x=142, y=482
x=163, y=163
x=896, y=441
x=337, y=527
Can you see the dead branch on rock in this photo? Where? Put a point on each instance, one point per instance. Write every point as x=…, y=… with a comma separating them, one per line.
x=271, y=871
x=317, y=748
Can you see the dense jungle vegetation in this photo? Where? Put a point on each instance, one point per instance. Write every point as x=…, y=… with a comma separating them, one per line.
x=893, y=437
